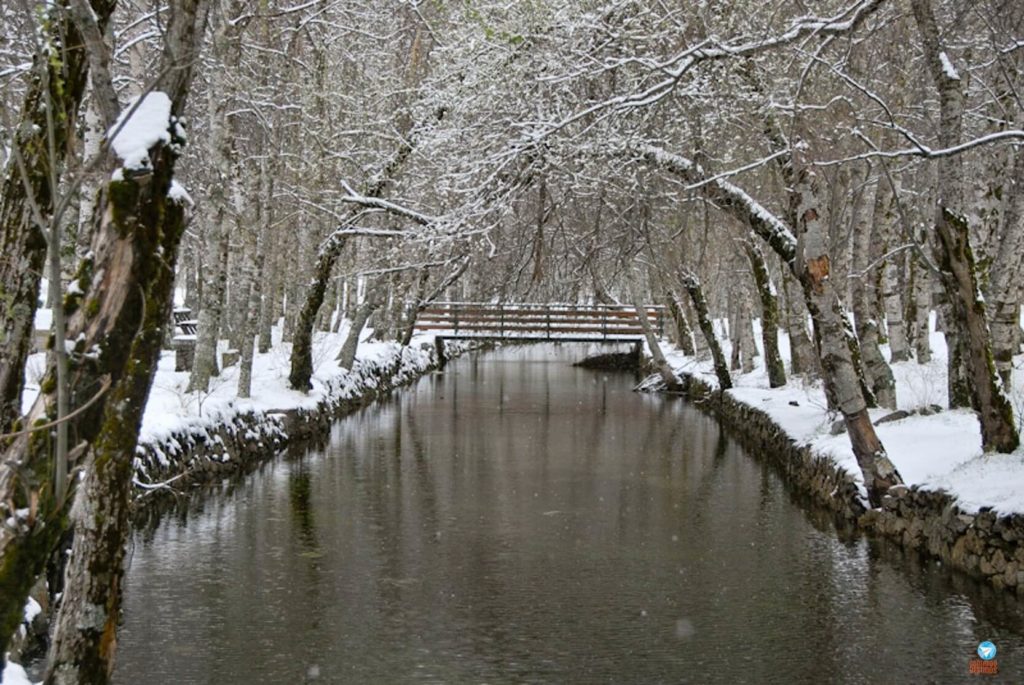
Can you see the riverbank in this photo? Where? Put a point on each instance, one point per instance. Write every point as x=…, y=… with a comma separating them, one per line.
x=959, y=505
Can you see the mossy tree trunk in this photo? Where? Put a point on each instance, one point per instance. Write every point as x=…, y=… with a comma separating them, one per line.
x=49, y=113
x=137, y=235
x=955, y=257
x=769, y=314
x=700, y=305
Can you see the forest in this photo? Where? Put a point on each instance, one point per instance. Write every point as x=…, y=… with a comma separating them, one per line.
x=826, y=179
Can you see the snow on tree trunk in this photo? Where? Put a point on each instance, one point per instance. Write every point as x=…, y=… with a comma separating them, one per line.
x=955, y=257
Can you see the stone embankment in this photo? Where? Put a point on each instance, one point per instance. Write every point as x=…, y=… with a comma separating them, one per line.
x=983, y=544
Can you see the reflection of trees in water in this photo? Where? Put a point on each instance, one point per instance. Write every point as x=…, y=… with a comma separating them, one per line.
x=300, y=489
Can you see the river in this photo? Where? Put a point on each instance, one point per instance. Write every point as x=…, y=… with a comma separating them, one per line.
x=518, y=520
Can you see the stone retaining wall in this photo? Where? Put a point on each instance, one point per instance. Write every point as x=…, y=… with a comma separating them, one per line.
x=206, y=453
x=983, y=545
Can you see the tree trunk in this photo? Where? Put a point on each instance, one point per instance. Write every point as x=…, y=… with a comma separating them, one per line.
x=49, y=111
x=955, y=257
x=347, y=356
x=223, y=195
x=136, y=243
x=683, y=333
x=877, y=373
x=802, y=358
x=668, y=376
x=769, y=315
x=835, y=348
x=257, y=237
x=1007, y=272
x=707, y=328
x=893, y=272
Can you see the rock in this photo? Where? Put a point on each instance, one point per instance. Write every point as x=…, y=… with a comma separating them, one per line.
x=930, y=409
x=794, y=403
x=838, y=427
x=999, y=562
x=1011, y=574
x=895, y=416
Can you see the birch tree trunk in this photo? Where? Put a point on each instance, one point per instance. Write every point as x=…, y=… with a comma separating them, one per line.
x=1007, y=272
x=893, y=274
x=223, y=194
x=955, y=257
x=877, y=373
x=831, y=326
x=255, y=260
x=801, y=351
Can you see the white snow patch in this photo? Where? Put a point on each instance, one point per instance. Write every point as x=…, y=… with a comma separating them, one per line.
x=177, y=193
x=139, y=128
x=14, y=674
x=947, y=67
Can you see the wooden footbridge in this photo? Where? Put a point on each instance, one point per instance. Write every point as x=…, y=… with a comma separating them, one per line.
x=538, y=322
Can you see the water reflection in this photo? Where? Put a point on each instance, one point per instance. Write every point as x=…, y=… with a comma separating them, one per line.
x=519, y=520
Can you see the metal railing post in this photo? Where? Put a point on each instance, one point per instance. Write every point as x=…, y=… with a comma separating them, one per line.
x=455, y=317
x=501, y=319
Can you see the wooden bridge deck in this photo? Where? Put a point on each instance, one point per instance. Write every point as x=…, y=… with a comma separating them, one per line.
x=540, y=322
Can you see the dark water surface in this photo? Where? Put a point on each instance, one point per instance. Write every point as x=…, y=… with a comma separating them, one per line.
x=516, y=520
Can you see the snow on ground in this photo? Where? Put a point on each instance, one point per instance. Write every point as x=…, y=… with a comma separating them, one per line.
x=14, y=675
x=171, y=410
x=940, y=451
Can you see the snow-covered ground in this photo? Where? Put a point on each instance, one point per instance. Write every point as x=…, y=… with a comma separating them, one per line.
x=940, y=451
x=172, y=410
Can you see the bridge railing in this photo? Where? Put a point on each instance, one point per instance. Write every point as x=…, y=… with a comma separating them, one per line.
x=537, y=321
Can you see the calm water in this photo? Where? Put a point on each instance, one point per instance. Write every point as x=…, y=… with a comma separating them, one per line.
x=515, y=520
